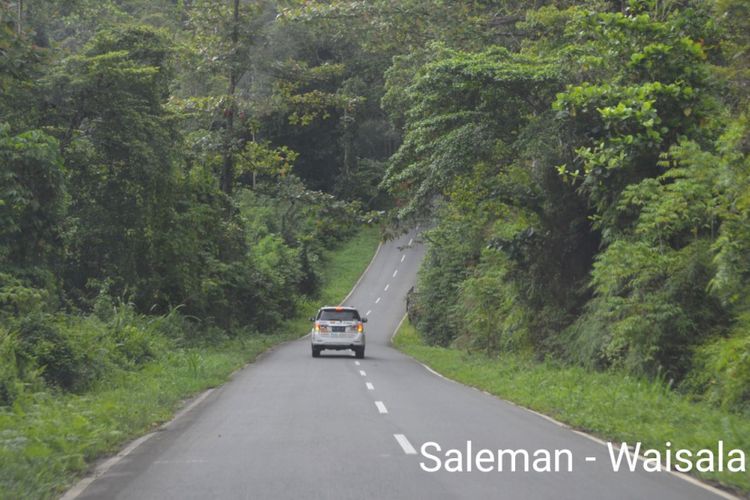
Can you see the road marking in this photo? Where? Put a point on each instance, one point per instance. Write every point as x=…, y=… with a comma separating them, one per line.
x=405, y=444
x=395, y=273
x=193, y=461
x=398, y=327
x=591, y=459
x=442, y=376
x=381, y=407
x=356, y=363
x=684, y=477
x=369, y=386
x=368, y=313
x=403, y=257
x=377, y=300
x=362, y=372
x=411, y=241
x=387, y=287
x=104, y=467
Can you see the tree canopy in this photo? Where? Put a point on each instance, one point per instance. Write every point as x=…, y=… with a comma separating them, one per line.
x=582, y=167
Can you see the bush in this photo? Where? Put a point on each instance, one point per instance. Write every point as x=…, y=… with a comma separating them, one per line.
x=70, y=353
x=137, y=339
x=451, y=255
x=19, y=297
x=722, y=369
x=73, y=352
x=650, y=310
x=10, y=385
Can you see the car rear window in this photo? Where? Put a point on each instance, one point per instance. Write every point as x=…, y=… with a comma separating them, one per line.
x=333, y=315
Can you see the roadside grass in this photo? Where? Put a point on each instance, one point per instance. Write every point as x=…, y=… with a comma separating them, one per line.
x=610, y=405
x=47, y=441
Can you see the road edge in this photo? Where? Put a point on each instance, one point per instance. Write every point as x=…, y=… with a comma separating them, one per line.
x=361, y=276
x=106, y=463
x=685, y=477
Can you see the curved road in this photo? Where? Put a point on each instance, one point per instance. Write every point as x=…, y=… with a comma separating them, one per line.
x=290, y=426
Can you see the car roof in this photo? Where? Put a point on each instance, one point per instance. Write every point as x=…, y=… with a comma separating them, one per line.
x=339, y=308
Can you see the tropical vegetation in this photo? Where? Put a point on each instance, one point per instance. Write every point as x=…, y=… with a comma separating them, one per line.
x=173, y=171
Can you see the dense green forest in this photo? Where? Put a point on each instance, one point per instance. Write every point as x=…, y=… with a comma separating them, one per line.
x=171, y=174
x=179, y=166
x=589, y=172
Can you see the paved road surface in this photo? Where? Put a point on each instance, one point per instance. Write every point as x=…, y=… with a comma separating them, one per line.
x=294, y=427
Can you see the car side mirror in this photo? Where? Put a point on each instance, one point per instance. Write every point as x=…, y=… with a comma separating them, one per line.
x=364, y=320
x=311, y=318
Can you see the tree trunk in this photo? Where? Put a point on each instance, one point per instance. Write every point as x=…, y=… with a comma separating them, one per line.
x=19, y=15
x=227, y=168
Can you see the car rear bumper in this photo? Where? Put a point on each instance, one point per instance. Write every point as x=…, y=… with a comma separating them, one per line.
x=326, y=342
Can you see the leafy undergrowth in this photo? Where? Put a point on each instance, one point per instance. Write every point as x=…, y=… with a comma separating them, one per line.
x=611, y=405
x=47, y=440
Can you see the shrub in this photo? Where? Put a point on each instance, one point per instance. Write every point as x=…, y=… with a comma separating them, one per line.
x=71, y=353
x=138, y=339
x=722, y=369
x=10, y=384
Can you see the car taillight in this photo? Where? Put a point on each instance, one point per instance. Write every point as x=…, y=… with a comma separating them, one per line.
x=317, y=326
x=360, y=327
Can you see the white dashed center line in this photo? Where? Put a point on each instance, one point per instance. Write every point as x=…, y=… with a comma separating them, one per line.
x=387, y=287
x=362, y=372
x=403, y=257
x=411, y=241
x=368, y=313
x=369, y=386
x=356, y=363
x=395, y=273
x=377, y=300
x=381, y=407
x=405, y=444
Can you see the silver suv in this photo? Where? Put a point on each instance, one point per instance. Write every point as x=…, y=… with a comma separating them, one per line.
x=338, y=328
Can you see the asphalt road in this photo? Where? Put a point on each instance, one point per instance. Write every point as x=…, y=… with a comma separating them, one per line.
x=290, y=426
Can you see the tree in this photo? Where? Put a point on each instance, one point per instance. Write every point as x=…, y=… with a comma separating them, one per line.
x=121, y=148
x=32, y=199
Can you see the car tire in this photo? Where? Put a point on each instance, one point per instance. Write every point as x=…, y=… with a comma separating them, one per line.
x=315, y=352
x=359, y=353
